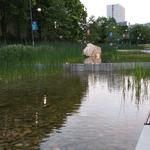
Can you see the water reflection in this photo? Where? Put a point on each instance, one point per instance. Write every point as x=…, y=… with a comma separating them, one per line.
x=109, y=109
x=44, y=101
x=73, y=112
x=30, y=109
x=92, y=60
x=131, y=87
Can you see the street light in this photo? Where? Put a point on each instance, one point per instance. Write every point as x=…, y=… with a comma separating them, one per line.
x=39, y=9
x=31, y=18
x=55, y=24
x=114, y=27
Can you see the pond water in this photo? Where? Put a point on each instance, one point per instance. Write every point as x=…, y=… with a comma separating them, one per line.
x=88, y=111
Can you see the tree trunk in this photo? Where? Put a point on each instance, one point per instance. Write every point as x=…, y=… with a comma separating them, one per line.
x=3, y=23
x=4, y=30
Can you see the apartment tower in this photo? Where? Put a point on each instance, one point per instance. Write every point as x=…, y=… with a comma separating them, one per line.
x=116, y=11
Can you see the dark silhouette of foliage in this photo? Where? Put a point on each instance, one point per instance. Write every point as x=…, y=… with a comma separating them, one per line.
x=58, y=20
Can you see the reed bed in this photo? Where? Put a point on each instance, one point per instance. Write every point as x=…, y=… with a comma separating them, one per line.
x=56, y=53
x=18, y=61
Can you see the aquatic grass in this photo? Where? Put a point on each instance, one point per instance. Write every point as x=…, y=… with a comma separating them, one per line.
x=138, y=72
x=140, y=81
x=107, y=52
x=58, y=53
x=18, y=61
x=28, y=71
x=45, y=54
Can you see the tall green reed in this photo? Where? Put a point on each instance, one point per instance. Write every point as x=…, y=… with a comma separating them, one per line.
x=17, y=61
x=55, y=53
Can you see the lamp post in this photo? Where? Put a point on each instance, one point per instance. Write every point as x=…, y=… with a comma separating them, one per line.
x=31, y=17
x=39, y=22
x=113, y=35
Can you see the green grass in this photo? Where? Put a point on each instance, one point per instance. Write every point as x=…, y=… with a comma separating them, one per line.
x=139, y=72
x=56, y=53
x=115, y=56
x=146, y=46
x=59, y=53
x=19, y=61
x=130, y=57
x=130, y=46
x=27, y=71
x=110, y=54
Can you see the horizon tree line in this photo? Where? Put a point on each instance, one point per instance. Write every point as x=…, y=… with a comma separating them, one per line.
x=64, y=20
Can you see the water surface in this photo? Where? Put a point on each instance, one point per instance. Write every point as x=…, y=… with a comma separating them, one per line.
x=96, y=111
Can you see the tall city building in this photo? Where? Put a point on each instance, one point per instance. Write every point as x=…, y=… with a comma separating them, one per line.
x=116, y=11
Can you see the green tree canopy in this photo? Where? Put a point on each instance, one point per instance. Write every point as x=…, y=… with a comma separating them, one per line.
x=100, y=29
x=58, y=19
x=139, y=34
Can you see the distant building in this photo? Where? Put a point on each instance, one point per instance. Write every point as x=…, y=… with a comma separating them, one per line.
x=117, y=12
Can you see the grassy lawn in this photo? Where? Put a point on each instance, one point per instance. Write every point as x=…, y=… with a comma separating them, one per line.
x=125, y=57
x=126, y=54
x=131, y=57
x=146, y=46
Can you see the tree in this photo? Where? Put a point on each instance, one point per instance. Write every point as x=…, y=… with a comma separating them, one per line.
x=4, y=17
x=58, y=18
x=13, y=18
x=139, y=34
x=101, y=29
x=67, y=23
x=93, y=28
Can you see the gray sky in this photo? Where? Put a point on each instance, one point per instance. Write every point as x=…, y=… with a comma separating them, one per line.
x=137, y=11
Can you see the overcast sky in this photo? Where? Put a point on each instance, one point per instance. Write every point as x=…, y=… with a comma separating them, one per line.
x=137, y=11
